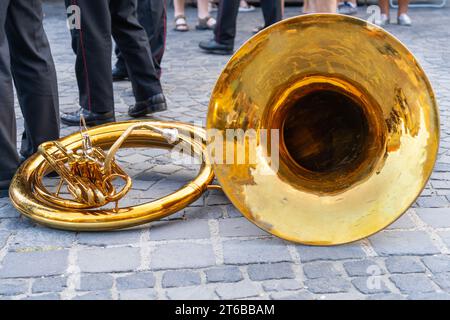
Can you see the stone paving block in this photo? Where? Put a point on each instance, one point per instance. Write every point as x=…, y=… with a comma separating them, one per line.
x=41, y=237
x=34, y=264
x=51, y=284
x=429, y=296
x=193, y=293
x=385, y=296
x=443, y=281
x=224, y=274
x=141, y=280
x=435, y=217
x=121, y=237
x=95, y=282
x=180, y=229
x=182, y=278
x=45, y=296
x=281, y=285
x=404, y=265
x=445, y=236
x=370, y=285
x=302, y=295
x=217, y=197
x=8, y=211
x=239, y=227
x=347, y=251
x=314, y=270
x=437, y=264
x=327, y=285
x=210, y=212
x=404, y=222
x=138, y=294
x=412, y=283
x=403, y=243
x=255, y=251
x=109, y=259
x=363, y=268
x=233, y=212
x=12, y=287
x=240, y=290
x=4, y=235
x=259, y=272
x=433, y=202
x=95, y=295
x=182, y=256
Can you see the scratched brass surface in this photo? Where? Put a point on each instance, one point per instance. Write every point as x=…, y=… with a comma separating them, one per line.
x=344, y=174
x=70, y=217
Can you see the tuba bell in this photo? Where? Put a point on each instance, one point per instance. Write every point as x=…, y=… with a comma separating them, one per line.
x=358, y=137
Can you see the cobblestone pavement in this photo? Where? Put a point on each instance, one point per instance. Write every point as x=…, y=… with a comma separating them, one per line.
x=208, y=250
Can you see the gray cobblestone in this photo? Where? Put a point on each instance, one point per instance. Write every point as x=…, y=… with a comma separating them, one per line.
x=95, y=282
x=327, y=285
x=412, y=283
x=12, y=287
x=109, y=238
x=429, y=296
x=40, y=237
x=95, y=295
x=109, y=260
x=224, y=274
x=4, y=235
x=436, y=217
x=281, y=285
x=349, y=251
x=445, y=235
x=437, y=263
x=140, y=280
x=34, y=264
x=45, y=296
x=404, y=265
x=179, y=229
x=51, y=284
x=182, y=255
x=258, y=272
x=239, y=227
x=138, y=294
x=373, y=285
x=240, y=290
x=180, y=279
x=362, y=268
x=403, y=243
x=193, y=293
x=255, y=251
x=443, y=281
x=303, y=295
x=316, y=270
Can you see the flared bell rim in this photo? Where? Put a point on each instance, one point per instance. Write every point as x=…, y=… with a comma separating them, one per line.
x=234, y=188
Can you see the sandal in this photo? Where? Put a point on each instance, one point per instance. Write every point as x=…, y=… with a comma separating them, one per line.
x=257, y=29
x=207, y=23
x=181, y=24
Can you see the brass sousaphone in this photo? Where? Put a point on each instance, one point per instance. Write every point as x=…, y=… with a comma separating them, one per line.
x=358, y=137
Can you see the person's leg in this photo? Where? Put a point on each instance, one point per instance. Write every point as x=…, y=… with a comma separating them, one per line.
x=202, y=9
x=403, y=6
x=9, y=159
x=225, y=30
x=92, y=46
x=34, y=74
x=152, y=15
x=384, y=6
x=133, y=43
x=271, y=11
x=178, y=8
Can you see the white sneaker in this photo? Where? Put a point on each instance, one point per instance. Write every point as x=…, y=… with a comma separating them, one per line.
x=404, y=20
x=382, y=21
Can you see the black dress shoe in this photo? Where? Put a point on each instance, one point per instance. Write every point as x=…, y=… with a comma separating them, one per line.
x=119, y=74
x=153, y=104
x=212, y=46
x=91, y=118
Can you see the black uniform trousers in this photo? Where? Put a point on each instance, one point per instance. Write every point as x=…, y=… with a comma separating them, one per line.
x=25, y=58
x=152, y=15
x=225, y=30
x=92, y=44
